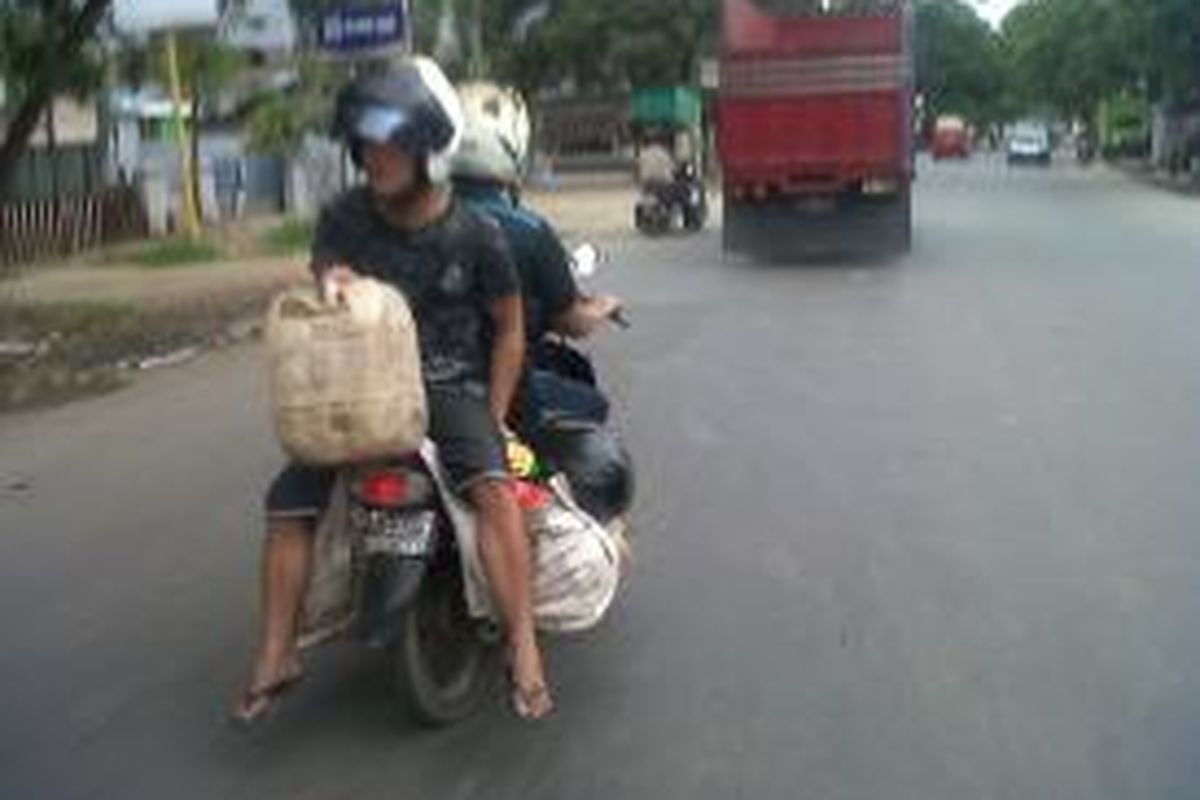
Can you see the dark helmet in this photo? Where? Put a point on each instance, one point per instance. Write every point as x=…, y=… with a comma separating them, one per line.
x=686, y=171
x=597, y=466
x=412, y=106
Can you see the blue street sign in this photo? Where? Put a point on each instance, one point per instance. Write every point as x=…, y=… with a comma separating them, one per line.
x=349, y=29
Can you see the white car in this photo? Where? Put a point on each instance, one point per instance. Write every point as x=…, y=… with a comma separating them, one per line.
x=1028, y=143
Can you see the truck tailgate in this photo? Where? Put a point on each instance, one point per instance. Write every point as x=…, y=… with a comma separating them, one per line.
x=795, y=140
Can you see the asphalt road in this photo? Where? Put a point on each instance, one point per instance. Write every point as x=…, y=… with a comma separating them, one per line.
x=918, y=530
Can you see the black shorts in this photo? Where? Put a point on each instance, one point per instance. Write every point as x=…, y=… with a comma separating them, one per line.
x=470, y=446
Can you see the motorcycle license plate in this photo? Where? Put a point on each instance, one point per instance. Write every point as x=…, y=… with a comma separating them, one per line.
x=407, y=535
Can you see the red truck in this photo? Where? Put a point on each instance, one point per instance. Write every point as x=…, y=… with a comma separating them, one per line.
x=814, y=126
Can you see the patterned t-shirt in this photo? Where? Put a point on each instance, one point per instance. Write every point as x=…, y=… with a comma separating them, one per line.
x=450, y=271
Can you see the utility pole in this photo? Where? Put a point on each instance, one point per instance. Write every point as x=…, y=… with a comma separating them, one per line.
x=191, y=216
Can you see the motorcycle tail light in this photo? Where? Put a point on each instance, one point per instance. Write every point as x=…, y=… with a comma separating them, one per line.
x=383, y=489
x=392, y=488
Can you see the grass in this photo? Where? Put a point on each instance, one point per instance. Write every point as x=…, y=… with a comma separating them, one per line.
x=167, y=253
x=290, y=236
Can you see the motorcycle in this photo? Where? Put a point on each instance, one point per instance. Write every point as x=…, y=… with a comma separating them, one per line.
x=660, y=208
x=392, y=560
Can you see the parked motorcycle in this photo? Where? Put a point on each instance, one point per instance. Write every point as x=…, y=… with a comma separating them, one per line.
x=390, y=564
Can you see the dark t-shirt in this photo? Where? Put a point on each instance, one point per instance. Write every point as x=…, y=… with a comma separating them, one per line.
x=451, y=272
x=547, y=285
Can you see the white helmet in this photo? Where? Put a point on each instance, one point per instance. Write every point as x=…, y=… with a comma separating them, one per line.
x=495, y=142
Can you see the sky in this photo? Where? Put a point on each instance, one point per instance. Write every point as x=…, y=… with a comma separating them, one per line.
x=994, y=10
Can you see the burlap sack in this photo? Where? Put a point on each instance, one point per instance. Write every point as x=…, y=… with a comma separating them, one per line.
x=345, y=375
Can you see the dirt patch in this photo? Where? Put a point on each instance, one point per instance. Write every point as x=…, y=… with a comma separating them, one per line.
x=51, y=353
x=586, y=211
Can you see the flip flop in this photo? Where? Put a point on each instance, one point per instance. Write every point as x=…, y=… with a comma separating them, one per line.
x=257, y=703
x=531, y=703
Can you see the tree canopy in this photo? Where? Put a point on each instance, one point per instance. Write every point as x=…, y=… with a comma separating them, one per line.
x=46, y=48
x=959, y=68
x=595, y=47
x=1070, y=54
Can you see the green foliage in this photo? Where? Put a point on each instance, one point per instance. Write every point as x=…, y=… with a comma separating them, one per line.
x=280, y=119
x=1170, y=36
x=290, y=236
x=1123, y=124
x=1066, y=54
x=1071, y=54
x=166, y=253
x=28, y=30
x=206, y=67
x=959, y=67
x=272, y=127
x=598, y=47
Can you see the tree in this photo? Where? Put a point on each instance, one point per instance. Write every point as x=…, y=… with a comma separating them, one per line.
x=597, y=47
x=1170, y=34
x=959, y=70
x=47, y=47
x=1070, y=54
x=280, y=119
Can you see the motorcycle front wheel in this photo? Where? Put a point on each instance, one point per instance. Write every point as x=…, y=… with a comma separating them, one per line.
x=444, y=665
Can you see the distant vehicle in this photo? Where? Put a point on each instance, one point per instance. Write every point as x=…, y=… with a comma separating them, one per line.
x=1029, y=143
x=951, y=138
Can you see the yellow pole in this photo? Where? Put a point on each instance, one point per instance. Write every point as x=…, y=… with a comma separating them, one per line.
x=191, y=219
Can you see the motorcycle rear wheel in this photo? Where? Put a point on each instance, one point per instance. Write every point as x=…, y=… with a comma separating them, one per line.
x=444, y=667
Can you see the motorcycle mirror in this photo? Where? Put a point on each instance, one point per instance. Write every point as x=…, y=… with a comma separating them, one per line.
x=585, y=259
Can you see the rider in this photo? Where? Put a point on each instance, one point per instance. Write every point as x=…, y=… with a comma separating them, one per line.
x=667, y=169
x=404, y=228
x=486, y=174
x=656, y=165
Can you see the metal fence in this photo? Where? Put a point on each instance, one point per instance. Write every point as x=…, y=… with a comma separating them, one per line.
x=68, y=171
x=36, y=230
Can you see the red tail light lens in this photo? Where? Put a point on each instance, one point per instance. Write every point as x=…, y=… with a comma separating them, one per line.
x=387, y=489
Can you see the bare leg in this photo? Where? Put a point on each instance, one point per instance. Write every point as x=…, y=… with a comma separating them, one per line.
x=504, y=550
x=286, y=567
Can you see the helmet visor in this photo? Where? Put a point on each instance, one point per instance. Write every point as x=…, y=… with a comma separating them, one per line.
x=378, y=124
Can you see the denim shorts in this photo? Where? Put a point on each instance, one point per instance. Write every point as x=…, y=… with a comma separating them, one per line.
x=470, y=446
